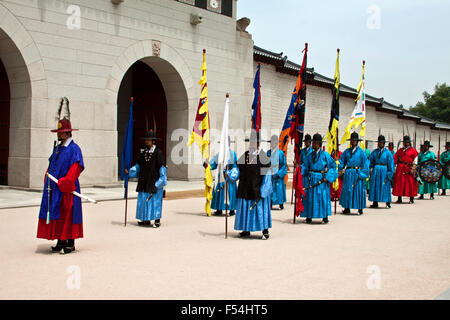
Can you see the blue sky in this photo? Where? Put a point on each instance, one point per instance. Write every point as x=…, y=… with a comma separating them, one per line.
x=406, y=43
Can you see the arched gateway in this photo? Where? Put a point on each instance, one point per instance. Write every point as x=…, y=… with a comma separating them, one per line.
x=163, y=89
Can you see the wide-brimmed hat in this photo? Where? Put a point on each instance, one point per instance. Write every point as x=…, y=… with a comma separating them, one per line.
x=382, y=138
x=354, y=137
x=427, y=144
x=64, y=125
x=150, y=136
x=406, y=139
x=317, y=138
x=307, y=138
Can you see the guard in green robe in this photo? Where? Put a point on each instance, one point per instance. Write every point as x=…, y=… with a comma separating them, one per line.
x=444, y=183
x=425, y=187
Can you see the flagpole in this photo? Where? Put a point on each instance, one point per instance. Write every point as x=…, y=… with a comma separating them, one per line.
x=127, y=180
x=226, y=209
x=295, y=198
x=293, y=174
x=126, y=206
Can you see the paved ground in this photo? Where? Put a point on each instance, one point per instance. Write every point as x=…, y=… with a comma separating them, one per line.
x=402, y=253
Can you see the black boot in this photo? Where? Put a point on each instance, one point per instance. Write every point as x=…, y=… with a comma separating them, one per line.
x=399, y=200
x=443, y=193
x=69, y=247
x=218, y=213
x=157, y=223
x=244, y=234
x=59, y=245
x=432, y=196
x=388, y=205
x=346, y=211
x=325, y=220
x=360, y=211
x=421, y=197
x=374, y=205
x=308, y=220
x=232, y=213
x=265, y=235
x=411, y=200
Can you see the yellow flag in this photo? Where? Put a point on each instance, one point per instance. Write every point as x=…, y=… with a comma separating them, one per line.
x=200, y=134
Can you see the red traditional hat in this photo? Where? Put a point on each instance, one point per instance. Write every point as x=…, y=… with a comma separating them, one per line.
x=64, y=125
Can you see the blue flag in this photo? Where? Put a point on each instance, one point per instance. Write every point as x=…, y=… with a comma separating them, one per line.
x=127, y=151
x=256, y=106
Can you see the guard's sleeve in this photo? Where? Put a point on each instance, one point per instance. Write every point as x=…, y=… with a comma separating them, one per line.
x=162, y=181
x=233, y=174
x=67, y=183
x=266, y=187
x=134, y=172
x=213, y=162
x=364, y=171
x=332, y=173
x=390, y=166
x=282, y=172
x=343, y=160
x=372, y=160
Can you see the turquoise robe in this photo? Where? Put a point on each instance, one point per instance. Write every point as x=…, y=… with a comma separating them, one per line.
x=317, y=202
x=427, y=187
x=367, y=180
x=218, y=199
x=444, y=183
x=151, y=210
x=260, y=217
x=383, y=167
x=279, y=169
x=354, y=197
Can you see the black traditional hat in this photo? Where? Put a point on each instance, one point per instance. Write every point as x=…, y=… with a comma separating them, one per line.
x=317, y=138
x=307, y=138
x=427, y=144
x=406, y=139
x=381, y=138
x=354, y=137
x=150, y=136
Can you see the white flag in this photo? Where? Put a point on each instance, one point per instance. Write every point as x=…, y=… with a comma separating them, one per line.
x=224, y=147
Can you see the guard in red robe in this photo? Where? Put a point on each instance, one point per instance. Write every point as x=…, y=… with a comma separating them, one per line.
x=60, y=215
x=405, y=183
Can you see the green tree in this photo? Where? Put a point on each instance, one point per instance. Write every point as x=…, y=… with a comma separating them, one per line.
x=436, y=106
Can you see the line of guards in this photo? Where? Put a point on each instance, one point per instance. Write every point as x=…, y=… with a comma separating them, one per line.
x=255, y=182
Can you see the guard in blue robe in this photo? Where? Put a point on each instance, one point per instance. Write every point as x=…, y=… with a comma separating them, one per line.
x=382, y=167
x=320, y=169
x=279, y=172
x=152, y=177
x=355, y=165
x=218, y=200
x=254, y=193
x=60, y=214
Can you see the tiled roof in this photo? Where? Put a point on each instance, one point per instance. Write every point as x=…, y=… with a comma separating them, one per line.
x=283, y=65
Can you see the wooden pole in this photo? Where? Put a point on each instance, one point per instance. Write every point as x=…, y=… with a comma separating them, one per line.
x=126, y=206
x=292, y=193
x=295, y=198
x=226, y=209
